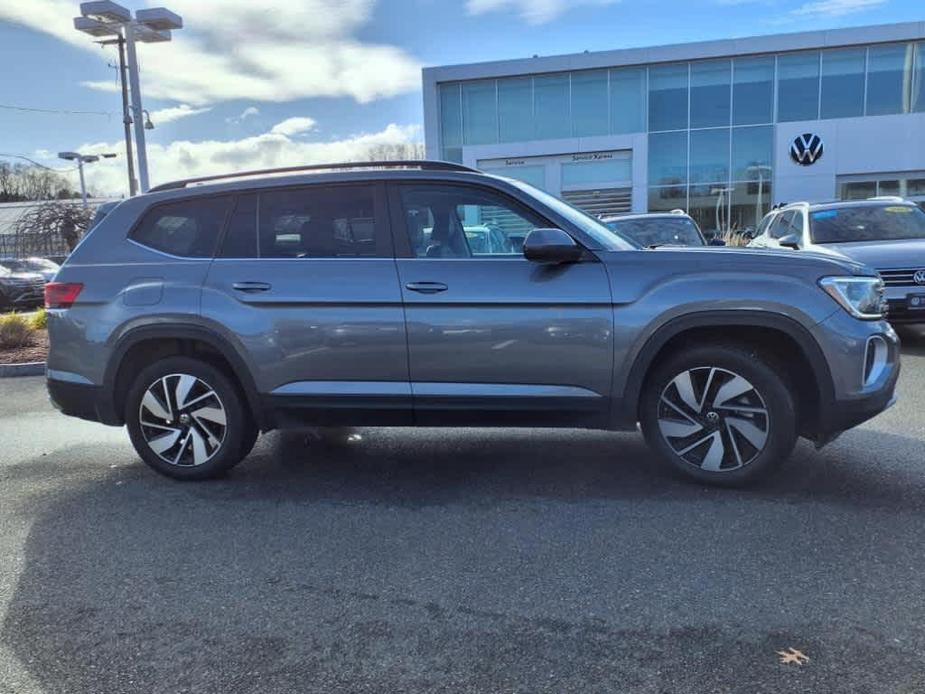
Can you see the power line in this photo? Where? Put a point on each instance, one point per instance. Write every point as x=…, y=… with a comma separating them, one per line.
x=32, y=161
x=30, y=109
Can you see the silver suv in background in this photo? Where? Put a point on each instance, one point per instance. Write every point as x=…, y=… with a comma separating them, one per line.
x=654, y=229
x=886, y=233
x=368, y=294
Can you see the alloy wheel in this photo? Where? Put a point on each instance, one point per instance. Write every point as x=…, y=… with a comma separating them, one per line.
x=713, y=419
x=182, y=419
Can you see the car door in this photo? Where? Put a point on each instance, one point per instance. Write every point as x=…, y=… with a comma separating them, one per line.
x=495, y=339
x=306, y=285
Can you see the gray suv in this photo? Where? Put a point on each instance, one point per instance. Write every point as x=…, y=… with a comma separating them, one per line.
x=430, y=294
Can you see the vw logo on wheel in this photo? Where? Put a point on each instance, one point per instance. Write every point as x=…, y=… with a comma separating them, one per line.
x=806, y=149
x=919, y=277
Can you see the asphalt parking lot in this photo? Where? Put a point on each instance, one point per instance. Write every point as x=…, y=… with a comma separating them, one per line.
x=458, y=561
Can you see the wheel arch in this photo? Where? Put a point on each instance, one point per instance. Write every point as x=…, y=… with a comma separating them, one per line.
x=165, y=339
x=738, y=326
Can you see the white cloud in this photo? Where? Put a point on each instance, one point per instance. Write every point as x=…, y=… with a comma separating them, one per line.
x=533, y=11
x=248, y=112
x=168, y=115
x=835, y=8
x=293, y=126
x=184, y=158
x=267, y=50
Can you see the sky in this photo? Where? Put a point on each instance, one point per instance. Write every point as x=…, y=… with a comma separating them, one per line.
x=262, y=83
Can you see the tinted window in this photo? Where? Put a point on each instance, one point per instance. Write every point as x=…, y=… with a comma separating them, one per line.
x=460, y=222
x=710, y=93
x=763, y=227
x=752, y=91
x=319, y=222
x=668, y=97
x=189, y=228
x=843, y=83
x=798, y=86
x=867, y=223
x=659, y=231
x=589, y=103
x=627, y=100
x=889, y=76
x=515, y=108
x=241, y=235
x=551, y=106
x=782, y=225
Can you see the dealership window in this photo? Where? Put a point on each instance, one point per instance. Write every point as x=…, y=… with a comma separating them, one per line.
x=451, y=121
x=535, y=175
x=709, y=158
x=798, y=86
x=667, y=198
x=889, y=79
x=551, y=106
x=668, y=91
x=843, y=83
x=710, y=93
x=748, y=203
x=598, y=173
x=918, y=99
x=668, y=158
x=627, y=100
x=589, y=103
x=515, y=109
x=752, y=153
x=752, y=91
x=480, y=112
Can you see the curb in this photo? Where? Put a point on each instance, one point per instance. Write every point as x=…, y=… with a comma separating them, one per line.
x=35, y=368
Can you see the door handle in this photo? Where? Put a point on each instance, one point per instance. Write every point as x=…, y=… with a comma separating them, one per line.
x=251, y=287
x=426, y=287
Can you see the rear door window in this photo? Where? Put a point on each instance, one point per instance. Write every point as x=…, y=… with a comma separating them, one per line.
x=782, y=225
x=187, y=228
x=320, y=222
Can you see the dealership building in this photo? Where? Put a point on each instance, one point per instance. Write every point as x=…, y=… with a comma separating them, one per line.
x=722, y=129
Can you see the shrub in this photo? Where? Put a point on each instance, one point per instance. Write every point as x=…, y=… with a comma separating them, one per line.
x=14, y=331
x=38, y=320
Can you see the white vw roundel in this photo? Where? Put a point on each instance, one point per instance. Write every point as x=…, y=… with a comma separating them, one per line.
x=919, y=277
x=806, y=149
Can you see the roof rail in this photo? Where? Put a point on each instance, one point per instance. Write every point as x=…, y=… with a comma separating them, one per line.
x=887, y=198
x=422, y=164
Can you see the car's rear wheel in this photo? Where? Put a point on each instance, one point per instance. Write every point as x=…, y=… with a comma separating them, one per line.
x=719, y=414
x=186, y=419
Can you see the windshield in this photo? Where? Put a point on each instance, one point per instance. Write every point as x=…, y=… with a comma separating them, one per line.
x=867, y=223
x=659, y=231
x=13, y=265
x=609, y=240
x=40, y=264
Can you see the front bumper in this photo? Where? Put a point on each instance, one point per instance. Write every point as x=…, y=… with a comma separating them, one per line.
x=900, y=310
x=861, y=390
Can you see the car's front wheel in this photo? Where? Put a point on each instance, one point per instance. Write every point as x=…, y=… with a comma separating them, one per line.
x=186, y=419
x=720, y=414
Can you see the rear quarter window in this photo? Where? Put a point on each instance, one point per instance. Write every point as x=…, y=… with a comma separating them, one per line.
x=187, y=228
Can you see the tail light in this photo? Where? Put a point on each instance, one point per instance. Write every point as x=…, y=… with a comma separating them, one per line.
x=61, y=294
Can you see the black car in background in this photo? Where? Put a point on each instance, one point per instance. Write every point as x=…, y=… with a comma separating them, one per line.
x=20, y=290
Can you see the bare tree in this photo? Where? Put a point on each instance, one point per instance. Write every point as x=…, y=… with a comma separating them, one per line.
x=51, y=228
x=395, y=151
x=19, y=182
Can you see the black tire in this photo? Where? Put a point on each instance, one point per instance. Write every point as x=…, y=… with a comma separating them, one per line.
x=221, y=449
x=709, y=369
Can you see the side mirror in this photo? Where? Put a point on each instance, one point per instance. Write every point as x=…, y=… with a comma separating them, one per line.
x=716, y=242
x=551, y=246
x=789, y=241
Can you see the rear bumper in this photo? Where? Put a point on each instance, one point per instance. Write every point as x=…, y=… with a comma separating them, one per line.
x=81, y=400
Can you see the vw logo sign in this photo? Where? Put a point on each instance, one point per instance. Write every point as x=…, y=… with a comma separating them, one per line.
x=806, y=149
x=919, y=277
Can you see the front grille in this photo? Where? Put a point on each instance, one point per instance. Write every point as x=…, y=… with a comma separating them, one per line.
x=900, y=277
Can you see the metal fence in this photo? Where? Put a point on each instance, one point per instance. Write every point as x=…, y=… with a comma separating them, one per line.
x=23, y=243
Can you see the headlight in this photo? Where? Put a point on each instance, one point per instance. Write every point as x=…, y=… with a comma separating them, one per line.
x=862, y=297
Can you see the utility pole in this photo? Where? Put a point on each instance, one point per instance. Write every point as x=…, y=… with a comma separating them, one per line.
x=127, y=121
x=137, y=116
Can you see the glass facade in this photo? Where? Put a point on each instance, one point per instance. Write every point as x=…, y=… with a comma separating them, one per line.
x=709, y=122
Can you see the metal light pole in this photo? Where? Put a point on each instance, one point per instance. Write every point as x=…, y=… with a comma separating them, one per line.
x=105, y=18
x=760, y=169
x=82, y=159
